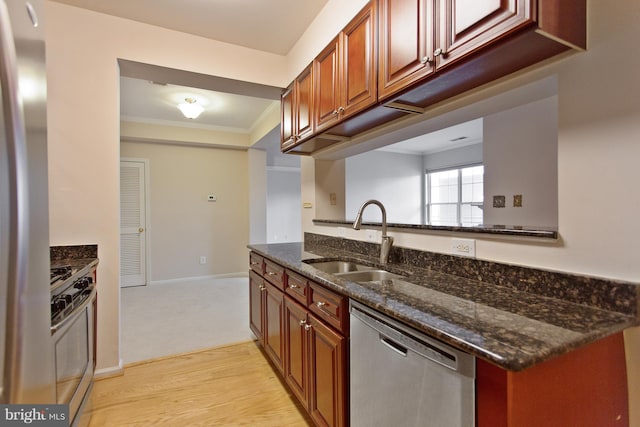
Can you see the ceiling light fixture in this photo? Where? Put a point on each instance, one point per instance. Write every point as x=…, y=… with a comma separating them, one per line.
x=190, y=109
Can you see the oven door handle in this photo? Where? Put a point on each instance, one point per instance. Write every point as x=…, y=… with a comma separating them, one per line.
x=75, y=313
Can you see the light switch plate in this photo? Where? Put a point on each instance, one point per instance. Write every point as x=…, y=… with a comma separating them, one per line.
x=463, y=247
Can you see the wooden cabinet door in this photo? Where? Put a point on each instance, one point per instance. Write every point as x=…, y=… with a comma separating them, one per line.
x=296, y=369
x=467, y=25
x=327, y=371
x=256, y=305
x=326, y=74
x=406, y=44
x=273, y=313
x=358, y=63
x=304, y=105
x=287, y=118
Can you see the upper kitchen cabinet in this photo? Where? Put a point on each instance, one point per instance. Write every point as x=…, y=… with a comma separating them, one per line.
x=296, y=109
x=467, y=25
x=463, y=44
x=406, y=44
x=345, y=72
x=418, y=53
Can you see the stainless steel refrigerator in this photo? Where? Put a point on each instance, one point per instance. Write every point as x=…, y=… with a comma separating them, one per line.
x=26, y=355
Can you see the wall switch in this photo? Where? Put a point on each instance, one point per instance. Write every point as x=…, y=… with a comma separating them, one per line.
x=463, y=247
x=203, y=260
x=307, y=205
x=211, y=198
x=333, y=199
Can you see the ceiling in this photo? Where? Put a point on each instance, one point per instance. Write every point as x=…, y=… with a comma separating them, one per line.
x=267, y=25
x=456, y=136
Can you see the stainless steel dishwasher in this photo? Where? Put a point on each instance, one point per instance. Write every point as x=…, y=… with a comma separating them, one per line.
x=401, y=377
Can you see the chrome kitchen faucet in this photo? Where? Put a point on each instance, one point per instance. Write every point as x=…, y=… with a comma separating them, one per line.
x=387, y=241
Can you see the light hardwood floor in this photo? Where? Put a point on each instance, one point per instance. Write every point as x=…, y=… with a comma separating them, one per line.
x=225, y=386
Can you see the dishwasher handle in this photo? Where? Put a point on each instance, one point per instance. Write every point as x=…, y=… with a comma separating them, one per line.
x=401, y=350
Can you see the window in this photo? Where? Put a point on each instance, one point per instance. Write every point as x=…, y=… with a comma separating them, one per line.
x=455, y=196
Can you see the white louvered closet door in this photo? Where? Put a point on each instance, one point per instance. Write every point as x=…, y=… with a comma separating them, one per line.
x=132, y=224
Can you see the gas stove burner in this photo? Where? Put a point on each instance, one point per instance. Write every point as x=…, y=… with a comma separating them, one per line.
x=61, y=272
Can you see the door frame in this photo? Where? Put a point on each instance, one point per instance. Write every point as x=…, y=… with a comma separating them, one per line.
x=147, y=207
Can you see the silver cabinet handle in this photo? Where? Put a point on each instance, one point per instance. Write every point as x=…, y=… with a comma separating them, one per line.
x=303, y=322
x=439, y=52
x=255, y=263
x=335, y=112
x=307, y=327
x=340, y=110
x=293, y=286
x=262, y=288
x=425, y=60
x=321, y=304
x=271, y=273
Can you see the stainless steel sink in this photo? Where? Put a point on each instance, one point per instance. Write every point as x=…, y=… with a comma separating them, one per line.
x=369, y=276
x=338, y=267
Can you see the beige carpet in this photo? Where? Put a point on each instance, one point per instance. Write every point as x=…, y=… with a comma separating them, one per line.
x=165, y=319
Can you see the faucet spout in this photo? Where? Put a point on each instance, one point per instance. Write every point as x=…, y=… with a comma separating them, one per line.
x=387, y=241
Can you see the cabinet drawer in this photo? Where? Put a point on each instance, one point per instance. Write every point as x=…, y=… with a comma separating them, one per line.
x=329, y=306
x=297, y=287
x=256, y=263
x=274, y=274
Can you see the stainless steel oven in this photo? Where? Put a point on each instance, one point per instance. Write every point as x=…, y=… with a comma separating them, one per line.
x=72, y=332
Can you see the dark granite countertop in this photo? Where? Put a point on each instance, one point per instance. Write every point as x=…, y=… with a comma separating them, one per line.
x=512, y=328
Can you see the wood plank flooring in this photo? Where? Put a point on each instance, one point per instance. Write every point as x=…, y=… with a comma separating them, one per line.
x=226, y=386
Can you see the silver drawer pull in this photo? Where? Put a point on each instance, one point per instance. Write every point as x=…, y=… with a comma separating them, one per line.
x=262, y=288
x=307, y=327
x=321, y=304
x=271, y=273
x=255, y=263
x=293, y=286
x=303, y=322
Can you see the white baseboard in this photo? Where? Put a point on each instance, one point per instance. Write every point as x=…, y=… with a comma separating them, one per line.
x=112, y=371
x=214, y=276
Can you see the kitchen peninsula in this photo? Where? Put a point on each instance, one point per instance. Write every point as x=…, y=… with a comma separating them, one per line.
x=536, y=334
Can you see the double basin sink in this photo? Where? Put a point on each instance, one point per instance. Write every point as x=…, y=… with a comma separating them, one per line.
x=352, y=271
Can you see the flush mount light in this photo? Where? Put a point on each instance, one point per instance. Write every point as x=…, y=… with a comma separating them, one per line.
x=190, y=108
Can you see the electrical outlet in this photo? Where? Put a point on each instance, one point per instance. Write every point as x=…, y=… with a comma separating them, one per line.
x=463, y=247
x=203, y=260
x=212, y=198
x=333, y=199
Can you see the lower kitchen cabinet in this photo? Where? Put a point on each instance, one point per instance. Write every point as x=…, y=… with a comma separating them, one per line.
x=303, y=346
x=315, y=365
x=256, y=305
x=265, y=316
x=328, y=375
x=296, y=344
x=273, y=314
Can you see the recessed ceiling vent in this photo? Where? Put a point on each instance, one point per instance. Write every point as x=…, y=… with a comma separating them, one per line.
x=460, y=138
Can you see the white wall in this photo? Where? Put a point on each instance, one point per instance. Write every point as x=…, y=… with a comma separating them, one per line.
x=395, y=179
x=521, y=157
x=183, y=225
x=598, y=152
x=283, y=205
x=83, y=121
